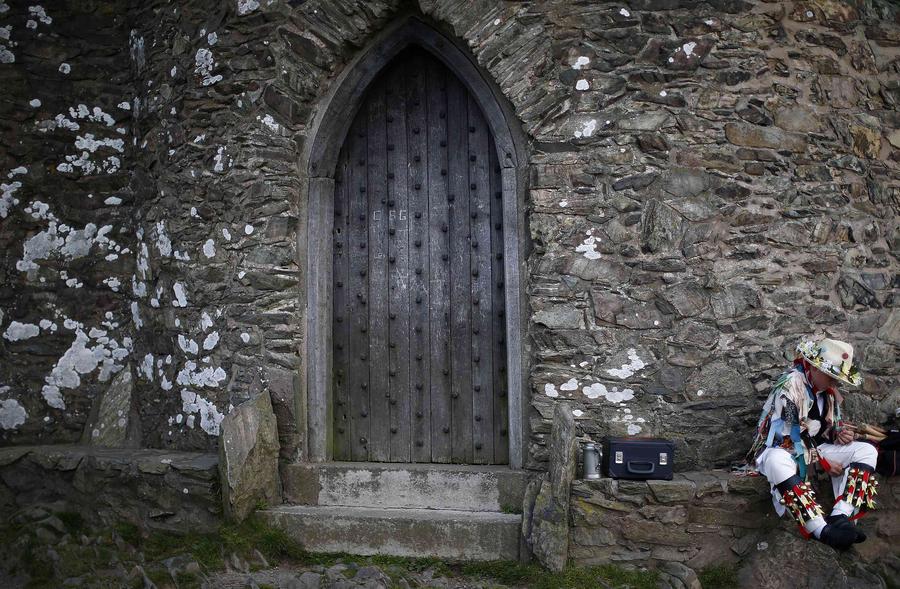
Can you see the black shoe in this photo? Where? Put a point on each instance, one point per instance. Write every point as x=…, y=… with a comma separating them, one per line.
x=838, y=536
x=843, y=521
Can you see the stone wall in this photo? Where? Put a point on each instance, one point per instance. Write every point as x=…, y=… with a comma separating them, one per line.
x=709, y=182
x=67, y=240
x=713, y=518
x=152, y=489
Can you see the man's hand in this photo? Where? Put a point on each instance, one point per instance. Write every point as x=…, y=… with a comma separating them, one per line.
x=835, y=469
x=845, y=436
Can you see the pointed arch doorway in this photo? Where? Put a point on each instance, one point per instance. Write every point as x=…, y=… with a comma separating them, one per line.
x=413, y=255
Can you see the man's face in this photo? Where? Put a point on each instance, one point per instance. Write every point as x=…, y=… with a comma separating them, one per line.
x=820, y=380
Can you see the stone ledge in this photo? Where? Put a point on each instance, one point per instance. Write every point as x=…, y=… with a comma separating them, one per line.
x=156, y=489
x=706, y=518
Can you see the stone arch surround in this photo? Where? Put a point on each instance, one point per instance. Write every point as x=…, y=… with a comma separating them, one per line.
x=338, y=107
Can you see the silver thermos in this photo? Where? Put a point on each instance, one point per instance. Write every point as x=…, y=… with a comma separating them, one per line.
x=591, y=459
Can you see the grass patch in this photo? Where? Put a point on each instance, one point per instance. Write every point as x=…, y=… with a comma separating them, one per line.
x=719, y=577
x=211, y=550
x=511, y=508
x=532, y=575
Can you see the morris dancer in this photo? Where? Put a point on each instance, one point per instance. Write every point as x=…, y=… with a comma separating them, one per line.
x=801, y=422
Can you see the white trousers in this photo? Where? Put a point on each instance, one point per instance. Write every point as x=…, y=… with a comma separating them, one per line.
x=777, y=465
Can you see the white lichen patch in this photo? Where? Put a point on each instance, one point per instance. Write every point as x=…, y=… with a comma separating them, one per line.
x=688, y=49
x=38, y=12
x=626, y=370
x=136, y=315
x=7, y=200
x=113, y=283
x=16, y=331
x=209, y=248
x=12, y=414
x=180, y=297
x=245, y=337
x=219, y=160
x=269, y=122
x=598, y=389
x=582, y=85
x=65, y=69
x=588, y=247
x=581, y=62
x=204, y=64
x=88, y=144
x=587, y=129
x=62, y=240
x=212, y=38
x=577, y=412
x=624, y=12
x=210, y=417
x=187, y=345
x=569, y=385
x=550, y=390
x=211, y=341
x=248, y=229
x=163, y=243
x=246, y=6
x=204, y=377
x=633, y=429
x=83, y=358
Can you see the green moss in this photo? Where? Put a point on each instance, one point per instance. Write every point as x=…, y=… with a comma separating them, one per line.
x=72, y=520
x=719, y=577
x=128, y=532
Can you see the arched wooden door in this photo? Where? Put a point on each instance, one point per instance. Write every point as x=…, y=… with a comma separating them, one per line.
x=419, y=357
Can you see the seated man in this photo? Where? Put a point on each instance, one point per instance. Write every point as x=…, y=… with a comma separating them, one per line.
x=801, y=422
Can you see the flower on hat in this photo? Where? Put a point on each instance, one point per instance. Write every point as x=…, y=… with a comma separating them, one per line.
x=832, y=357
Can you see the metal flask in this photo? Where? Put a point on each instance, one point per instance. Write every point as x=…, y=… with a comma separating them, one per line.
x=591, y=460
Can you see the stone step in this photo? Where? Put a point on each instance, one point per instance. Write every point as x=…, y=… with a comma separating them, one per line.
x=419, y=533
x=424, y=486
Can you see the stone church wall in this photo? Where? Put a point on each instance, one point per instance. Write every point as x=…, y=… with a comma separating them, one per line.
x=708, y=183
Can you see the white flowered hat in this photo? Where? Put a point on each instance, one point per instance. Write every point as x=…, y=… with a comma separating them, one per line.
x=833, y=357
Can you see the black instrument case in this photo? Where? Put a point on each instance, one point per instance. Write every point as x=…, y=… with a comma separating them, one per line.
x=638, y=458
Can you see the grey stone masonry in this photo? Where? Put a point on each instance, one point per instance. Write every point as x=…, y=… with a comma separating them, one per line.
x=707, y=183
x=706, y=518
x=152, y=489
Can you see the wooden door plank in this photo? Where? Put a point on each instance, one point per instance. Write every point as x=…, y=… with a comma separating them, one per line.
x=420, y=374
x=479, y=221
x=340, y=323
x=379, y=374
x=359, y=291
x=460, y=272
x=439, y=261
x=398, y=266
x=498, y=314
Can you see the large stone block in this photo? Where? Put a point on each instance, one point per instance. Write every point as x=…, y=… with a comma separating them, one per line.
x=550, y=519
x=755, y=136
x=248, y=457
x=114, y=423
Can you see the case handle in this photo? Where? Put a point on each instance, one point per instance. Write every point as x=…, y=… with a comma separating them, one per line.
x=634, y=470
